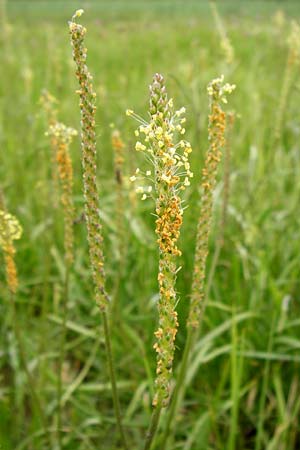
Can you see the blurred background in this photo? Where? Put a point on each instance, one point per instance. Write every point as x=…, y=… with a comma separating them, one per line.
x=243, y=384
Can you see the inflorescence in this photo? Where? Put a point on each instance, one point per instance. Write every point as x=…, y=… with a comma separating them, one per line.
x=61, y=138
x=10, y=230
x=170, y=175
x=88, y=144
x=217, y=92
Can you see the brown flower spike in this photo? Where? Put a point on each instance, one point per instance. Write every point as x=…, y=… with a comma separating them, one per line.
x=88, y=144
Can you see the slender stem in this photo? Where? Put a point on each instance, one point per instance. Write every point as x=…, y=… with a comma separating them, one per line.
x=31, y=382
x=89, y=167
x=179, y=387
x=111, y=367
x=213, y=267
x=264, y=387
x=224, y=212
x=62, y=355
x=235, y=384
x=153, y=427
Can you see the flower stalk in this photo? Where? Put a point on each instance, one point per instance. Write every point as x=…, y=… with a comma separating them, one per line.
x=226, y=191
x=48, y=103
x=11, y=230
x=225, y=44
x=293, y=59
x=217, y=92
x=118, y=148
x=61, y=138
x=94, y=230
x=170, y=161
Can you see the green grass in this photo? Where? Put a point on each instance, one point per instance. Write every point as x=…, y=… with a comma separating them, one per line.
x=243, y=382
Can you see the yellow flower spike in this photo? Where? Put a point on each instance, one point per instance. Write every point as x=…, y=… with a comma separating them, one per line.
x=120, y=203
x=64, y=136
x=217, y=92
x=48, y=103
x=225, y=43
x=293, y=60
x=170, y=178
x=11, y=268
x=10, y=230
x=294, y=43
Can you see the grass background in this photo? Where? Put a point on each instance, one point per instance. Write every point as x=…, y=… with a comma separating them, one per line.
x=244, y=375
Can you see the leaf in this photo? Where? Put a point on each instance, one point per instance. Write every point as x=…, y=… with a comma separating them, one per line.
x=74, y=327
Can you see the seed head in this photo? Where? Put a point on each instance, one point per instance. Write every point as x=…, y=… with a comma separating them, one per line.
x=87, y=97
x=62, y=137
x=10, y=230
x=294, y=43
x=217, y=92
x=171, y=169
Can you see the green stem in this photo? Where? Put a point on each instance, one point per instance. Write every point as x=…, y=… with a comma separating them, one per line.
x=287, y=78
x=179, y=387
x=263, y=395
x=31, y=382
x=153, y=427
x=115, y=395
x=62, y=355
x=213, y=266
x=235, y=385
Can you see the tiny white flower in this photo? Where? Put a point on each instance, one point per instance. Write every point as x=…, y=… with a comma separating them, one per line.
x=79, y=13
x=139, y=146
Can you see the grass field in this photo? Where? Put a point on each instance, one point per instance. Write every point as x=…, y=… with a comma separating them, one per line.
x=243, y=383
